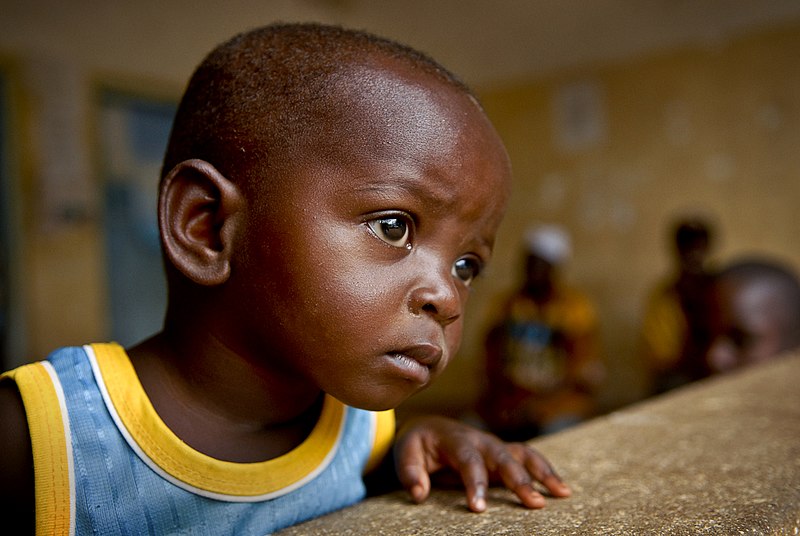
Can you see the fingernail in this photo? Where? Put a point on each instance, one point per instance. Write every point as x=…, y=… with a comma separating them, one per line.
x=479, y=504
x=417, y=493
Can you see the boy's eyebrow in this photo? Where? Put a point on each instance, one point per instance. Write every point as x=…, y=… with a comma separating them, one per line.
x=422, y=189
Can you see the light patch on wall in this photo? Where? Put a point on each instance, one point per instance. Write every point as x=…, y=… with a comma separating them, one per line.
x=678, y=123
x=770, y=117
x=593, y=203
x=622, y=214
x=551, y=192
x=606, y=201
x=64, y=190
x=580, y=117
x=720, y=167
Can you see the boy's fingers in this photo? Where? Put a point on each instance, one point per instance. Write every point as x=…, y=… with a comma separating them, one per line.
x=412, y=470
x=516, y=476
x=542, y=471
x=556, y=486
x=477, y=458
x=476, y=480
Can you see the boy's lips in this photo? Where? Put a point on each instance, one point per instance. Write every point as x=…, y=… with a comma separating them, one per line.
x=417, y=361
x=425, y=354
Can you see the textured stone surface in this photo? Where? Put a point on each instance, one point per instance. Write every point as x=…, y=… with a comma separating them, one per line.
x=718, y=457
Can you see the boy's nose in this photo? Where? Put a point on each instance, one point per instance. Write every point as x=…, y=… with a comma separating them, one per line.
x=438, y=297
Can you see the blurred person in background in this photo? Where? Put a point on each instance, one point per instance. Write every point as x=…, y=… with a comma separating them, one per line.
x=675, y=332
x=754, y=310
x=542, y=358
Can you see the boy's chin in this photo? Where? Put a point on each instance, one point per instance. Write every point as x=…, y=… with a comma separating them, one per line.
x=382, y=402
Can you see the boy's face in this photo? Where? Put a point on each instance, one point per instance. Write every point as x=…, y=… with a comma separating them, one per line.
x=354, y=280
x=746, y=324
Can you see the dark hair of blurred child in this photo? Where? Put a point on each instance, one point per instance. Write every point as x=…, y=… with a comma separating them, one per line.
x=754, y=312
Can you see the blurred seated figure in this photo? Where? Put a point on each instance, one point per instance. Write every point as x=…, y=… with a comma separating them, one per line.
x=675, y=325
x=754, y=312
x=542, y=355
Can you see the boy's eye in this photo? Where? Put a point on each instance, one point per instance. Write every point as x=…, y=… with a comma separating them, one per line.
x=392, y=230
x=466, y=269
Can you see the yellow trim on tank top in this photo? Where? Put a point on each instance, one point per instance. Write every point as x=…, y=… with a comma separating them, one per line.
x=51, y=463
x=199, y=470
x=384, y=437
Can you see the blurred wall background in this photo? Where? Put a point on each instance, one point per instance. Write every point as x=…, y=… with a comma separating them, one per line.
x=618, y=116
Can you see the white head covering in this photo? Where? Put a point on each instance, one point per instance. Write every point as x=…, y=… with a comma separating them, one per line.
x=550, y=242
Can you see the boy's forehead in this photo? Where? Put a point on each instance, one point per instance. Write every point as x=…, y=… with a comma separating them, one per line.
x=384, y=112
x=385, y=106
x=391, y=93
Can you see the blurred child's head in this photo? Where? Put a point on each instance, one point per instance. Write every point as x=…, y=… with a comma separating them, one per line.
x=692, y=237
x=755, y=313
x=327, y=199
x=548, y=247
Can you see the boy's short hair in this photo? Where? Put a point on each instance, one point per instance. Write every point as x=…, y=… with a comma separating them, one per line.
x=259, y=92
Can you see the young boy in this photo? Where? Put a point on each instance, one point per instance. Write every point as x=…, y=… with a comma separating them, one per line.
x=326, y=201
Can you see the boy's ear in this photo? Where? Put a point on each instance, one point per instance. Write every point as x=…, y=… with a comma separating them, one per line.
x=199, y=210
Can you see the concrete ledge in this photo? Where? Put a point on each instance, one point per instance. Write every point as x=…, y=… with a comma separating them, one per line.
x=718, y=457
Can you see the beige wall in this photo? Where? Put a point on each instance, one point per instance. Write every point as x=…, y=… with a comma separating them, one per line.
x=714, y=129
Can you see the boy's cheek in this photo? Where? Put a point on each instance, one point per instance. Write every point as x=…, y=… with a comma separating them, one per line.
x=453, y=339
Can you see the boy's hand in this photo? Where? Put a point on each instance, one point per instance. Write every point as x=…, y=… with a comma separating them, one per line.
x=429, y=444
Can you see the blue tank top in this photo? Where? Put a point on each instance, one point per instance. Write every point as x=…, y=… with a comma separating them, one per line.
x=105, y=463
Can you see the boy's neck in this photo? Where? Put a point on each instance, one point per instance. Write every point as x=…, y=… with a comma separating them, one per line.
x=219, y=404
